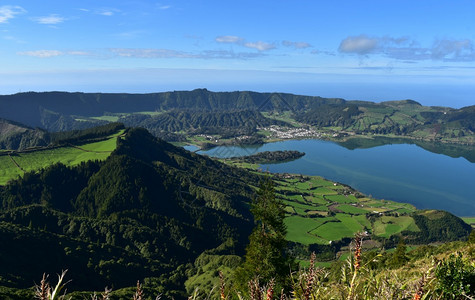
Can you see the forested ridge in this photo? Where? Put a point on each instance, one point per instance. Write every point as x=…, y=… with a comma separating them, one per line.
x=177, y=115
x=145, y=211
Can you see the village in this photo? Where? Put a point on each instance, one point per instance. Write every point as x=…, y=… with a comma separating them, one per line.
x=291, y=133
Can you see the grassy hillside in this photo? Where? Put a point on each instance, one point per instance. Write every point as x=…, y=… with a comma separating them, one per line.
x=15, y=164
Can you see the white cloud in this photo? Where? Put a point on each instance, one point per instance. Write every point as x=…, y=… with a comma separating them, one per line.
x=361, y=44
x=318, y=52
x=228, y=55
x=107, y=13
x=168, y=53
x=163, y=7
x=150, y=53
x=129, y=34
x=49, y=20
x=14, y=39
x=455, y=50
x=231, y=39
x=79, y=53
x=405, y=49
x=54, y=53
x=42, y=53
x=261, y=46
x=296, y=45
x=8, y=12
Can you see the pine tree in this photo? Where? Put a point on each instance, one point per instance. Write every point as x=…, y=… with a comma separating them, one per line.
x=265, y=257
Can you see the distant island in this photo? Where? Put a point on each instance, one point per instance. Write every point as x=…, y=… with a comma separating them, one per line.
x=270, y=157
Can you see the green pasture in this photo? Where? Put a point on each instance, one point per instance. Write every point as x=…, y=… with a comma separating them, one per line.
x=388, y=225
x=298, y=229
x=106, y=118
x=349, y=209
x=8, y=170
x=362, y=220
x=350, y=222
x=341, y=198
x=333, y=231
x=316, y=200
x=70, y=156
x=469, y=220
x=324, y=191
x=310, y=220
x=319, y=182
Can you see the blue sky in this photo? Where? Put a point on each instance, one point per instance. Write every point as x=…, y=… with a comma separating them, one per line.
x=371, y=50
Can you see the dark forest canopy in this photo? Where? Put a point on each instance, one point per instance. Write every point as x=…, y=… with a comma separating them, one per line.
x=269, y=157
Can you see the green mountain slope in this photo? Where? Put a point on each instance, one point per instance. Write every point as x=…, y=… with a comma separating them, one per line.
x=144, y=211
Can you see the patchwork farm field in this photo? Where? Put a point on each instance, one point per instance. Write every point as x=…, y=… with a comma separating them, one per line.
x=320, y=211
x=17, y=163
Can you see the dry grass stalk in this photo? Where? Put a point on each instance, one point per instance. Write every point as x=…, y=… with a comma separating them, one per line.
x=106, y=293
x=311, y=276
x=358, y=241
x=270, y=290
x=420, y=288
x=282, y=295
x=46, y=292
x=43, y=291
x=254, y=290
x=222, y=286
x=139, y=295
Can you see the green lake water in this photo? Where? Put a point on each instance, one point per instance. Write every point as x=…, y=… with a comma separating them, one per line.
x=399, y=172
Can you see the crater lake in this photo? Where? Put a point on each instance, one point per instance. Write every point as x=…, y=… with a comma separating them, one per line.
x=400, y=172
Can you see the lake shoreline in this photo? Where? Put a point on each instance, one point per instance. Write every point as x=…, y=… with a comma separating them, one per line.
x=413, y=191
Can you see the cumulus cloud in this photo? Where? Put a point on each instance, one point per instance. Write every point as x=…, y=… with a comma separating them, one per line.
x=49, y=20
x=296, y=45
x=261, y=46
x=8, y=12
x=230, y=39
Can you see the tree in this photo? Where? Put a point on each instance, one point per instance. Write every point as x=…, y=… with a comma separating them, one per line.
x=399, y=257
x=265, y=257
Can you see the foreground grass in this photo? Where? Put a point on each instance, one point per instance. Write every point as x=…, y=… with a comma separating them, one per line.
x=443, y=272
